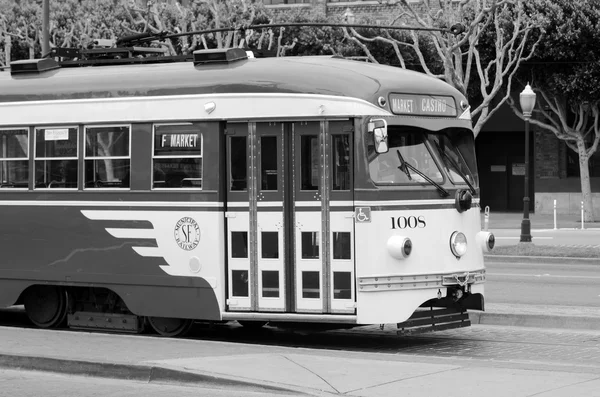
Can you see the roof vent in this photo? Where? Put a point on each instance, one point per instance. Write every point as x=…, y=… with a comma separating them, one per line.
x=30, y=66
x=219, y=55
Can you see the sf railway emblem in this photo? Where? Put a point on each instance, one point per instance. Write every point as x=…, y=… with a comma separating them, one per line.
x=187, y=233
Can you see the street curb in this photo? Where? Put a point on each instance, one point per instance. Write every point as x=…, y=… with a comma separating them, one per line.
x=537, y=259
x=135, y=372
x=574, y=323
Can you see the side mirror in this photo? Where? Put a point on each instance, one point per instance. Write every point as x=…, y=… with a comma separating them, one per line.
x=379, y=129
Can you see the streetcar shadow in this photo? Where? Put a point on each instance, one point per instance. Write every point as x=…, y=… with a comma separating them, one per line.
x=356, y=339
x=359, y=339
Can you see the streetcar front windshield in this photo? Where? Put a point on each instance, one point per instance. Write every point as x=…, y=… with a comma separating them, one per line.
x=406, y=146
x=456, y=148
x=412, y=152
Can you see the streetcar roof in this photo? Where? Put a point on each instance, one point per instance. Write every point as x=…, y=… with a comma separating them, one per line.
x=321, y=75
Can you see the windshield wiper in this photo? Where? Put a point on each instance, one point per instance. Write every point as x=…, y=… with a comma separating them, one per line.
x=456, y=167
x=404, y=166
x=403, y=163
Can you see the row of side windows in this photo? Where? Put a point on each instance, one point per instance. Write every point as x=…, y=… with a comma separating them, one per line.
x=176, y=157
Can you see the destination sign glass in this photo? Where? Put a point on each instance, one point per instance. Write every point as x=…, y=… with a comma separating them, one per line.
x=423, y=105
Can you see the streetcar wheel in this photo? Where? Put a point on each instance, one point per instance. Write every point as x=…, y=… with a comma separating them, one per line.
x=46, y=305
x=252, y=324
x=171, y=327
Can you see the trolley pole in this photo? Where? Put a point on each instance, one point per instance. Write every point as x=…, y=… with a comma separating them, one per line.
x=45, y=27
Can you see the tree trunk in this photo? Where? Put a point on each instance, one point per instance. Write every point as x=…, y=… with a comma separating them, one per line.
x=586, y=190
x=7, y=49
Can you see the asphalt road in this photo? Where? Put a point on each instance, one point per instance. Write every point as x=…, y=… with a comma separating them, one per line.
x=567, y=284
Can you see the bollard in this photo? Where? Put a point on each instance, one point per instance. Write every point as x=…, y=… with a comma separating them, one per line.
x=582, y=215
x=486, y=218
x=554, y=214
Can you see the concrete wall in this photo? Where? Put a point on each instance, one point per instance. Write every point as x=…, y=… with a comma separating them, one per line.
x=566, y=203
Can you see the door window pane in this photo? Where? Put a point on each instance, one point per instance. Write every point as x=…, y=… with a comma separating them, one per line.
x=239, y=244
x=341, y=245
x=238, y=165
x=270, y=284
x=239, y=282
x=270, y=245
x=310, y=245
x=342, y=285
x=309, y=162
x=311, y=285
x=268, y=163
x=14, y=152
x=341, y=162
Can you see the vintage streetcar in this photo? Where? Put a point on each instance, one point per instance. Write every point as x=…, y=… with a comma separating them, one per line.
x=290, y=191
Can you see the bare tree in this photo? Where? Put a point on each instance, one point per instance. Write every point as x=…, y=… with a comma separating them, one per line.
x=496, y=41
x=566, y=77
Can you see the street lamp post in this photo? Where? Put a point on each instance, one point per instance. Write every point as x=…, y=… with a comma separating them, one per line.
x=527, y=99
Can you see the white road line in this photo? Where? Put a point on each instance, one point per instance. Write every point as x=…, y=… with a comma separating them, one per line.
x=517, y=237
x=539, y=275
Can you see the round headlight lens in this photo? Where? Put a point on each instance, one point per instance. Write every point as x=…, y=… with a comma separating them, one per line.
x=458, y=244
x=491, y=241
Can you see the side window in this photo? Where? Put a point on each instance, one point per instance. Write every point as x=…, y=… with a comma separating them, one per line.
x=107, y=156
x=177, y=157
x=56, y=157
x=14, y=158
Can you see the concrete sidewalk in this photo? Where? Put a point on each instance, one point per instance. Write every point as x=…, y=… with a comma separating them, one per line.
x=512, y=220
x=287, y=370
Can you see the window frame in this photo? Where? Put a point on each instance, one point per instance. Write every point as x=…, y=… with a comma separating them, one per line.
x=86, y=157
x=154, y=157
x=35, y=158
x=26, y=158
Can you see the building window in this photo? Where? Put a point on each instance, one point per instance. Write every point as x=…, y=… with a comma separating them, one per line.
x=177, y=159
x=107, y=157
x=14, y=158
x=573, y=164
x=56, y=151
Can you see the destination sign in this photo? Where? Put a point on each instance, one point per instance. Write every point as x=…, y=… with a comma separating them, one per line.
x=423, y=105
x=184, y=141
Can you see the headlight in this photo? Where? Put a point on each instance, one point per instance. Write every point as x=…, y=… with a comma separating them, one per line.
x=458, y=244
x=399, y=247
x=486, y=241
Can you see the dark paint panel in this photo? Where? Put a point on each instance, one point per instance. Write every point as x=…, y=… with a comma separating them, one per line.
x=61, y=240
x=10, y=290
x=193, y=301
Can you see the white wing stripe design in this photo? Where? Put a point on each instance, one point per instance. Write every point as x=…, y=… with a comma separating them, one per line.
x=108, y=215
x=149, y=252
x=161, y=228
x=132, y=233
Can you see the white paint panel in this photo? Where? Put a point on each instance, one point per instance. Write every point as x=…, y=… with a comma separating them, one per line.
x=308, y=221
x=430, y=255
x=271, y=222
x=183, y=107
x=239, y=223
x=342, y=222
